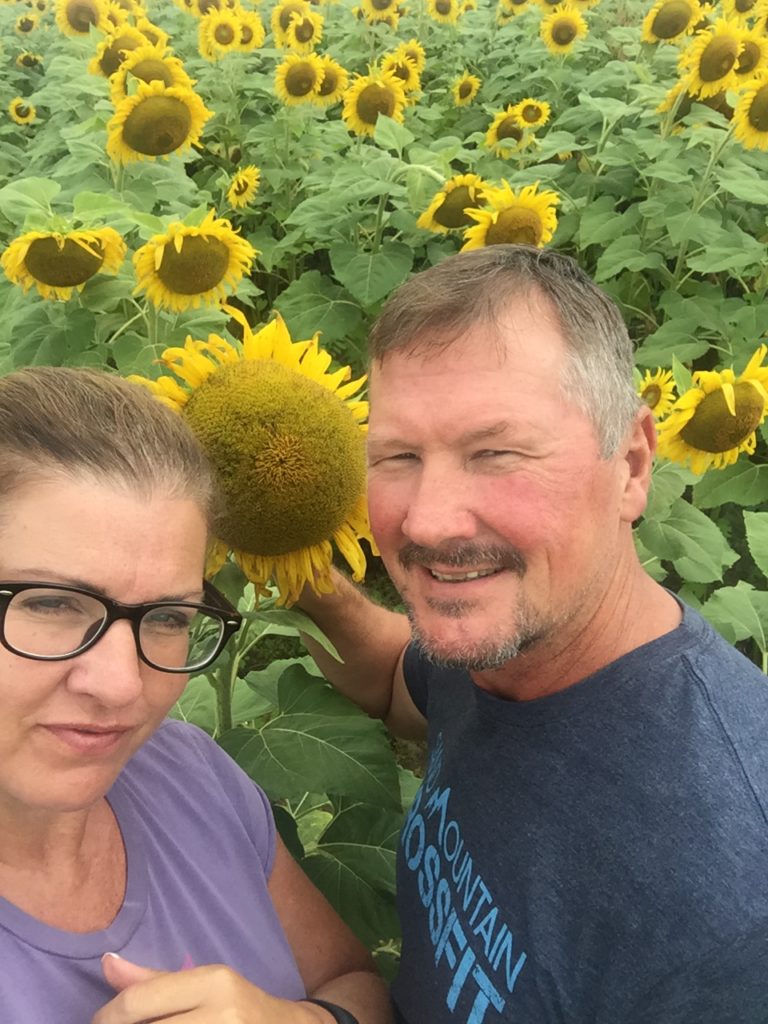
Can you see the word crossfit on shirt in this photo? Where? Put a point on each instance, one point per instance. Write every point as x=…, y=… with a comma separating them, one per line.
x=473, y=947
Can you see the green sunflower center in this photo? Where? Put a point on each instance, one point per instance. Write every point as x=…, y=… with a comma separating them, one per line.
x=157, y=125
x=153, y=69
x=224, y=35
x=116, y=52
x=564, y=31
x=300, y=79
x=671, y=19
x=375, y=99
x=758, y=110
x=718, y=58
x=81, y=15
x=748, y=58
x=289, y=455
x=64, y=267
x=199, y=266
x=712, y=428
x=450, y=213
x=517, y=225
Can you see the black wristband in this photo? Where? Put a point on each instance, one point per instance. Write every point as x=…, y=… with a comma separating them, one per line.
x=339, y=1014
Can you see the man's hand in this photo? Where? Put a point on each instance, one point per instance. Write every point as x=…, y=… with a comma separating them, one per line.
x=202, y=995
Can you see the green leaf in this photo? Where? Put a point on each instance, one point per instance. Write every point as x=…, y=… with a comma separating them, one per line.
x=744, y=484
x=743, y=182
x=390, y=135
x=626, y=253
x=300, y=692
x=291, y=622
x=370, y=276
x=683, y=376
x=314, y=303
x=667, y=485
x=756, y=525
x=27, y=195
x=739, y=612
x=691, y=541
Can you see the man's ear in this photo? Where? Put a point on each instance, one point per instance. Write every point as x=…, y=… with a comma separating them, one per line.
x=638, y=452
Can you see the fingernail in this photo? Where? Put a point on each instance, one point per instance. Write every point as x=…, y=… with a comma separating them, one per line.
x=115, y=956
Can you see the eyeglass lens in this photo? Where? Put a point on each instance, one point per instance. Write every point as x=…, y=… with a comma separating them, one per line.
x=46, y=622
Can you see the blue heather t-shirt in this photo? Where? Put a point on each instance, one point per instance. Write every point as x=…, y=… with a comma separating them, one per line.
x=597, y=856
x=200, y=840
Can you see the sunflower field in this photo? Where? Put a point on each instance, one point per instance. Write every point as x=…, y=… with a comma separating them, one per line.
x=215, y=197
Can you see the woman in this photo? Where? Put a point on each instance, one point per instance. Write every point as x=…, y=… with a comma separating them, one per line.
x=135, y=856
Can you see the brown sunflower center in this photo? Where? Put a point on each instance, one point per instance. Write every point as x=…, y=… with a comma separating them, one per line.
x=241, y=186
x=158, y=125
x=153, y=69
x=443, y=7
x=671, y=19
x=116, y=53
x=199, y=266
x=224, y=34
x=81, y=15
x=450, y=213
x=509, y=129
x=651, y=395
x=516, y=226
x=748, y=58
x=375, y=99
x=288, y=12
x=712, y=428
x=329, y=83
x=25, y=24
x=204, y=6
x=465, y=88
x=288, y=453
x=758, y=110
x=717, y=58
x=22, y=110
x=304, y=31
x=382, y=5
x=300, y=79
x=564, y=31
x=64, y=267
x=246, y=35
x=744, y=6
x=402, y=70
x=29, y=60
x=531, y=113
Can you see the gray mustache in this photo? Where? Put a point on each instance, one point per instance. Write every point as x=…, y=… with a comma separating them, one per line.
x=463, y=556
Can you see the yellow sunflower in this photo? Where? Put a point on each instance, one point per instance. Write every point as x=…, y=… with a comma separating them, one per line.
x=29, y=60
x=148, y=64
x=750, y=117
x=448, y=207
x=334, y=83
x=378, y=10
x=218, y=34
x=713, y=422
x=739, y=9
x=298, y=79
x=26, y=23
x=444, y=11
x=252, y=32
x=152, y=33
x=532, y=113
x=402, y=67
x=21, y=110
x=413, y=49
x=509, y=9
x=281, y=17
x=75, y=17
x=56, y=264
x=670, y=20
x=368, y=97
x=711, y=59
x=464, y=89
x=286, y=439
x=111, y=53
x=244, y=186
x=155, y=121
x=528, y=217
x=505, y=134
x=657, y=390
x=562, y=28
x=191, y=266
x=753, y=57
x=304, y=32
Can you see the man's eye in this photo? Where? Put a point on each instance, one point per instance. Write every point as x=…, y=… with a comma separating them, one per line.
x=489, y=453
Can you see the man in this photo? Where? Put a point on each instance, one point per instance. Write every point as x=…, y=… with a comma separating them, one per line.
x=590, y=844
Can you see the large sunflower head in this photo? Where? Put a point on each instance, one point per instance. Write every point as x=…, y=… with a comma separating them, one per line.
x=532, y=113
x=281, y=17
x=148, y=64
x=26, y=23
x=464, y=89
x=21, y=110
x=448, y=208
x=505, y=134
x=527, y=217
x=57, y=263
x=402, y=67
x=750, y=116
x=562, y=28
x=717, y=418
x=286, y=439
x=711, y=59
x=218, y=34
x=334, y=83
x=298, y=78
x=77, y=17
x=657, y=390
x=368, y=97
x=113, y=50
x=191, y=266
x=304, y=32
x=243, y=186
x=155, y=121
x=447, y=12
x=670, y=20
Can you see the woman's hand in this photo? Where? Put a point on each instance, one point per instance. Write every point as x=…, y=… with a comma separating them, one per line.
x=202, y=995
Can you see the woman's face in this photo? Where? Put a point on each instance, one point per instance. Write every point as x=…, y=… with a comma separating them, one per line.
x=67, y=728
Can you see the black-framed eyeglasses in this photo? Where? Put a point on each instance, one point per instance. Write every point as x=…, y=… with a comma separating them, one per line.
x=54, y=622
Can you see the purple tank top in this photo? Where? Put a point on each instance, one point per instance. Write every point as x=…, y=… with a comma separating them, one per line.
x=200, y=840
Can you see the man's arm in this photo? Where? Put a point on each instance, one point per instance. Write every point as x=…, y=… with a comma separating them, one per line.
x=371, y=641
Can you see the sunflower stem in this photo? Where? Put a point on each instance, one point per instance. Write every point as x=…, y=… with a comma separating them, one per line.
x=765, y=663
x=379, y=222
x=223, y=684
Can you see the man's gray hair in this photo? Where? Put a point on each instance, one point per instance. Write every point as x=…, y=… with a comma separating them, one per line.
x=439, y=305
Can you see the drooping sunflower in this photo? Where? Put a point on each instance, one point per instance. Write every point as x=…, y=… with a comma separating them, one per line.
x=446, y=12
x=75, y=17
x=711, y=59
x=378, y=10
x=369, y=96
x=448, y=207
x=304, y=32
x=334, y=83
x=56, y=264
x=750, y=116
x=402, y=67
x=113, y=50
x=29, y=60
x=148, y=64
x=657, y=390
x=562, y=28
x=753, y=57
x=281, y=17
x=244, y=186
x=532, y=113
x=21, y=110
x=286, y=439
x=116, y=16
x=218, y=34
x=413, y=49
x=155, y=121
x=464, y=89
x=26, y=23
x=670, y=20
x=298, y=79
x=505, y=134
x=716, y=419
x=252, y=32
x=528, y=217
x=151, y=32
x=192, y=266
